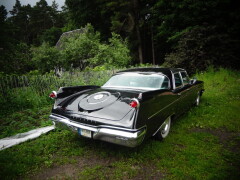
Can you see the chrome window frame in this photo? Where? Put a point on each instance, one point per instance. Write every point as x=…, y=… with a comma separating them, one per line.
x=174, y=84
x=186, y=76
x=169, y=85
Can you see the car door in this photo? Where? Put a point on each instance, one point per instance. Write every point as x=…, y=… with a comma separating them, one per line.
x=157, y=107
x=181, y=89
x=193, y=91
x=188, y=87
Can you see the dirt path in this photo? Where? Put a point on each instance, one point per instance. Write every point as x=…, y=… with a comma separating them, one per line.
x=94, y=166
x=74, y=170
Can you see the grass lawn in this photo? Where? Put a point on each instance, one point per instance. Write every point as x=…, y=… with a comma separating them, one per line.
x=202, y=144
x=24, y=121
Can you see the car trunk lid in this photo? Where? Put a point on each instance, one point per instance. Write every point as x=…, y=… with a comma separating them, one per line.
x=102, y=103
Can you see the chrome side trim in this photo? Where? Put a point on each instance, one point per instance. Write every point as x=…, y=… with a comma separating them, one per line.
x=174, y=87
x=160, y=126
x=163, y=109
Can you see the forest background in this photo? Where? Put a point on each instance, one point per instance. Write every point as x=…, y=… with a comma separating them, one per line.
x=189, y=34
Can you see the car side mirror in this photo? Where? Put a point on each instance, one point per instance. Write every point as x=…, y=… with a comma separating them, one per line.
x=193, y=81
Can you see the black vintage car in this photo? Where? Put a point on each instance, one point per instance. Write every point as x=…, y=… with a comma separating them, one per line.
x=131, y=106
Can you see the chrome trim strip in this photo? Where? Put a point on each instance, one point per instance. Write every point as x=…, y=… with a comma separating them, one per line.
x=135, y=118
x=120, y=136
x=161, y=125
x=69, y=123
x=157, y=130
x=173, y=80
x=163, y=109
x=120, y=128
x=192, y=88
x=54, y=116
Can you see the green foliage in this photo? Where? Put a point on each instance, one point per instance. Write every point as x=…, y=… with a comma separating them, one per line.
x=25, y=92
x=78, y=49
x=3, y=14
x=142, y=65
x=82, y=49
x=42, y=151
x=21, y=61
x=220, y=100
x=83, y=12
x=46, y=57
x=116, y=54
x=154, y=29
x=121, y=17
x=15, y=59
x=51, y=36
x=123, y=170
x=27, y=25
x=196, y=50
x=174, y=18
x=23, y=121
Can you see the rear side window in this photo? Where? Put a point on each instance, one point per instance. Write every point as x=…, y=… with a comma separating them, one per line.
x=165, y=83
x=178, y=81
x=185, y=78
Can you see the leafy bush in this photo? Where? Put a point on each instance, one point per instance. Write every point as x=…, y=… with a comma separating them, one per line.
x=78, y=48
x=51, y=35
x=15, y=59
x=82, y=49
x=116, y=54
x=46, y=58
x=196, y=50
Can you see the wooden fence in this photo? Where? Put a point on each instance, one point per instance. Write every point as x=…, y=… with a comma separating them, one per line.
x=42, y=84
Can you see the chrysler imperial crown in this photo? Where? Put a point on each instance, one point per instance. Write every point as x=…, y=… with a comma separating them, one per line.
x=130, y=107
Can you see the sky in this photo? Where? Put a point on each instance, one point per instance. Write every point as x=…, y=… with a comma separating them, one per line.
x=10, y=3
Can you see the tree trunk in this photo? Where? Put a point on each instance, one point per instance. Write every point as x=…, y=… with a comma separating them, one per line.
x=140, y=54
x=139, y=39
x=153, y=50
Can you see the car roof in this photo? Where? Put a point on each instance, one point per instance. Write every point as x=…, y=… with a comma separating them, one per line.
x=166, y=71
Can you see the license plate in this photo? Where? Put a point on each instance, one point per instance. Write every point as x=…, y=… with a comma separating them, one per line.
x=85, y=133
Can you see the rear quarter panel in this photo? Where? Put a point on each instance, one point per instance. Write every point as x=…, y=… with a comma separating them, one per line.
x=154, y=109
x=156, y=106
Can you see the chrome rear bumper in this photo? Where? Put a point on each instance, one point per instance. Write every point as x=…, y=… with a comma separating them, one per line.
x=116, y=135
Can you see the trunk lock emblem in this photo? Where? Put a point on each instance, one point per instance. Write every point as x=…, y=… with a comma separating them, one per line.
x=99, y=96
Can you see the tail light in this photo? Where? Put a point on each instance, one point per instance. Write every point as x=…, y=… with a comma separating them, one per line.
x=134, y=103
x=53, y=95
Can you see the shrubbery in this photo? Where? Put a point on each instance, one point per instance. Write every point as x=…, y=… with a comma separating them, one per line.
x=196, y=50
x=46, y=58
x=81, y=50
x=31, y=92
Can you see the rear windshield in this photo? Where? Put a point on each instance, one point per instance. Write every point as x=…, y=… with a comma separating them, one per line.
x=138, y=81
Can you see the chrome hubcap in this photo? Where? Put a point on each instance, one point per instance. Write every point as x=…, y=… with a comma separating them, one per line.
x=198, y=100
x=165, y=127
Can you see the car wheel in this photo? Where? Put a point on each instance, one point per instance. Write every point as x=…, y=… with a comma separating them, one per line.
x=197, y=101
x=164, y=129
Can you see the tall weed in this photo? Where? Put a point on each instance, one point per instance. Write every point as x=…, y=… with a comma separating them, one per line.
x=29, y=92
